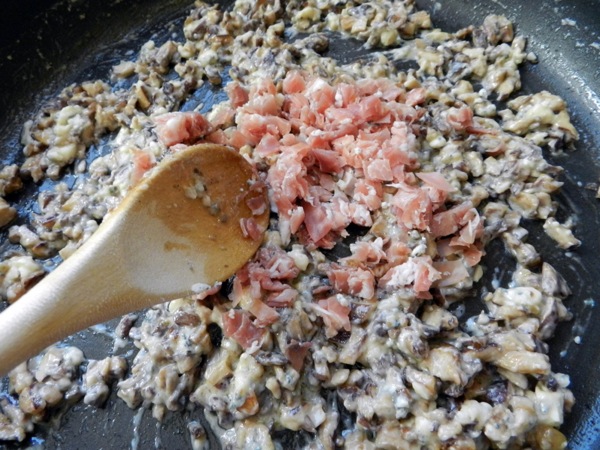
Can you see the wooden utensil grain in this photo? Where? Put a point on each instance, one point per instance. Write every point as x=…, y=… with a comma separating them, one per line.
x=176, y=231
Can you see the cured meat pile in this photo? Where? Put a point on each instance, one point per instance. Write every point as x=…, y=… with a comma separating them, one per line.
x=348, y=154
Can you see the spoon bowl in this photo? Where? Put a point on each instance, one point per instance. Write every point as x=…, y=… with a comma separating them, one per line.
x=177, y=232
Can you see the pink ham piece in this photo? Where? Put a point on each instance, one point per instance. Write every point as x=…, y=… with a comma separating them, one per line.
x=262, y=86
x=251, y=229
x=436, y=180
x=335, y=315
x=238, y=95
x=413, y=207
x=397, y=253
x=277, y=264
x=316, y=221
x=253, y=126
x=366, y=252
x=238, y=326
x=265, y=105
x=257, y=201
x=471, y=230
x=257, y=205
x=352, y=281
x=449, y=222
x=418, y=272
x=142, y=162
x=452, y=272
x=368, y=193
x=268, y=145
x=264, y=314
x=379, y=170
x=264, y=278
x=472, y=255
x=328, y=161
x=180, y=127
x=460, y=118
x=293, y=82
x=282, y=299
x=416, y=96
x=320, y=94
x=207, y=292
x=222, y=116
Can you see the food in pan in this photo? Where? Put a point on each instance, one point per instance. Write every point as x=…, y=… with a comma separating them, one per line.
x=386, y=185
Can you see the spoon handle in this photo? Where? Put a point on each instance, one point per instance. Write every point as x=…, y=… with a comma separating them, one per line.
x=71, y=298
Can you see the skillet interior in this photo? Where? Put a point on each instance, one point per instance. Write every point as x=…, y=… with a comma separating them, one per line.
x=82, y=39
x=570, y=67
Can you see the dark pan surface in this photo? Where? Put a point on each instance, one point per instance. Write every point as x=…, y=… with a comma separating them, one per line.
x=47, y=44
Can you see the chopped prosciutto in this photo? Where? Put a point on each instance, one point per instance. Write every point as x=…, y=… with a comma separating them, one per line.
x=277, y=263
x=348, y=153
x=205, y=291
x=293, y=82
x=320, y=94
x=222, y=116
x=237, y=325
x=265, y=278
x=368, y=193
x=436, y=180
x=253, y=127
x=237, y=94
x=413, y=207
x=472, y=255
x=142, y=162
x=217, y=137
x=263, y=86
x=251, y=228
x=397, y=253
x=281, y=299
x=471, y=230
x=265, y=105
x=416, y=96
x=265, y=315
x=353, y=281
x=449, y=222
x=180, y=127
x=335, y=315
x=460, y=118
x=367, y=252
x=418, y=272
x=268, y=145
x=372, y=109
x=425, y=274
x=451, y=272
x=297, y=217
x=379, y=170
x=345, y=94
x=328, y=160
x=316, y=221
x=257, y=204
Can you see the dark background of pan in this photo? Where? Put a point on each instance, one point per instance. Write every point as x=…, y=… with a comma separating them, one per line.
x=47, y=44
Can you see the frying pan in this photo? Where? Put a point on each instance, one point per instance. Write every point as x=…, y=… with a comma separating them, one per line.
x=47, y=44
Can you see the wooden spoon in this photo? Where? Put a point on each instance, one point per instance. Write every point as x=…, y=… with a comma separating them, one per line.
x=160, y=244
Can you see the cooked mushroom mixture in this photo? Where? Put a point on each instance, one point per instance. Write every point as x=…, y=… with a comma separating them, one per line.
x=386, y=187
